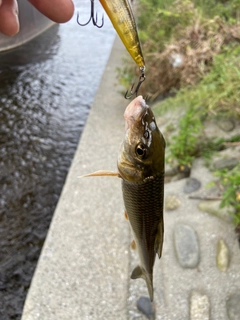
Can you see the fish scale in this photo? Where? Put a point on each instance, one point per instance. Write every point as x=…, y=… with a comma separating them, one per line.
x=144, y=206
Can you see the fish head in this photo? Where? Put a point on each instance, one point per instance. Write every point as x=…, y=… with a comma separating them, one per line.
x=142, y=151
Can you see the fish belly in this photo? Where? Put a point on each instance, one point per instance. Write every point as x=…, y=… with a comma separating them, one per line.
x=144, y=206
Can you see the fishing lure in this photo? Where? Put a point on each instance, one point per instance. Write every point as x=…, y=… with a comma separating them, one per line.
x=122, y=18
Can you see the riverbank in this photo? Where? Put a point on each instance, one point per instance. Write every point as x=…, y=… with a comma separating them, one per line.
x=85, y=265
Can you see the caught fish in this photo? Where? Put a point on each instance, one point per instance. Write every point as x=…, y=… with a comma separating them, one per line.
x=121, y=15
x=141, y=168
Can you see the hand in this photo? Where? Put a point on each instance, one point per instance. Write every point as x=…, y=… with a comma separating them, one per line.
x=56, y=10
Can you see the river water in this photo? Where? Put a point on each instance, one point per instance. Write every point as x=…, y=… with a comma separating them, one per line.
x=46, y=90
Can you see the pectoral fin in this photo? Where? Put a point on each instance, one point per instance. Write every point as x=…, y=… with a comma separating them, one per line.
x=159, y=240
x=102, y=173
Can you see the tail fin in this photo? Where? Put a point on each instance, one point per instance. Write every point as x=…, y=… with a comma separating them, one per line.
x=139, y=273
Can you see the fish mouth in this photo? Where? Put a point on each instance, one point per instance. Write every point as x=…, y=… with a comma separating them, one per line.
x=134, y=112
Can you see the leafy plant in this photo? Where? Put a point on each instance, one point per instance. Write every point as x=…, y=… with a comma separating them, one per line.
x=218, y=92
x=230, y=181
x=179, y=40
x=184, y=145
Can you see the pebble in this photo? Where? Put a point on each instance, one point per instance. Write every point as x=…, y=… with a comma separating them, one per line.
x=226, y=125
x=212, y=207
x=192, y=184
x=199, y=306
x=145, y=305
x=170, y=171
x=186, y=246
x=222, y=256
x=172, y=202
x=184, y=171
x=233, y=307
x=225, y=163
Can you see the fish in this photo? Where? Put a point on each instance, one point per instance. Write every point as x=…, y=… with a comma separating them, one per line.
x=122, y=18
x=141, y=168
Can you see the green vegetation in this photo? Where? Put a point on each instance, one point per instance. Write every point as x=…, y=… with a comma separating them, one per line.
x=188, y=32
x=192, y=55
x=216, y=96
x=230, y=180
x=218, y=93
x=184, y=145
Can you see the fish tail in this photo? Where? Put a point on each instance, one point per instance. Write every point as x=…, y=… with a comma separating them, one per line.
x=139, y=273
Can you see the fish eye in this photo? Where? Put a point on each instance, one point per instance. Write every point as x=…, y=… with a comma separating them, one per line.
x=141, y=151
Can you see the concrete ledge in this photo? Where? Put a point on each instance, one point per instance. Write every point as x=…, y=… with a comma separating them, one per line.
x=83, y=271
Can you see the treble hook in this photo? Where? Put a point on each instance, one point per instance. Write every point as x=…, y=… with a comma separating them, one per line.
x=140, y=81
x=91, y=17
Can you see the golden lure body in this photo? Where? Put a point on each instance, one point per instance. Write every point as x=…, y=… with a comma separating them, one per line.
x=121, y=15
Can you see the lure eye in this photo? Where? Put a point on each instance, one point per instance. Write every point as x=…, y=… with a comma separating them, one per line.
x=141, y=151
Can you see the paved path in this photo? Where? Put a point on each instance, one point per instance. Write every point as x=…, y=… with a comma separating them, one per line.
x=84, y=269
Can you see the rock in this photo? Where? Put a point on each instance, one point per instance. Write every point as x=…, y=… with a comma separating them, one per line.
x=209, y=193
x=184, y=171
x=192, y=184
x=222, y=256
x=233, y=307
x=212, y=207
x=237, y=230
x=225, y=163
x=186, y=246
x=199, y=306
x=170, y=171
x=145, y=305
x=226, y=125
x=172, y=202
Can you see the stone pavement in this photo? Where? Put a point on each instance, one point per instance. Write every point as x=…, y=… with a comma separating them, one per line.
x=198, y=276
x=85, y=266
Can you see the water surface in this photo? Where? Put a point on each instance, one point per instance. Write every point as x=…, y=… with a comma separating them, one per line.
x=46, y=90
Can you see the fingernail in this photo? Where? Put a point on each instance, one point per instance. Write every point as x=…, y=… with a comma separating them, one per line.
x=15, y=12
x=17, y=24
x=15, y=8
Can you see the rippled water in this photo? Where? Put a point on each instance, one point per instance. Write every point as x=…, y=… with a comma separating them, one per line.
x=46, y=90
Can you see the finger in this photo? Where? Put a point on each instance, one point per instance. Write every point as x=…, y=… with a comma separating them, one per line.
x=9, y=24
x=57, y=10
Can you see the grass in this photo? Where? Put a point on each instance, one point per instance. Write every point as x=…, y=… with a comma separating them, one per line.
x=192, y=55
x=230, y=180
